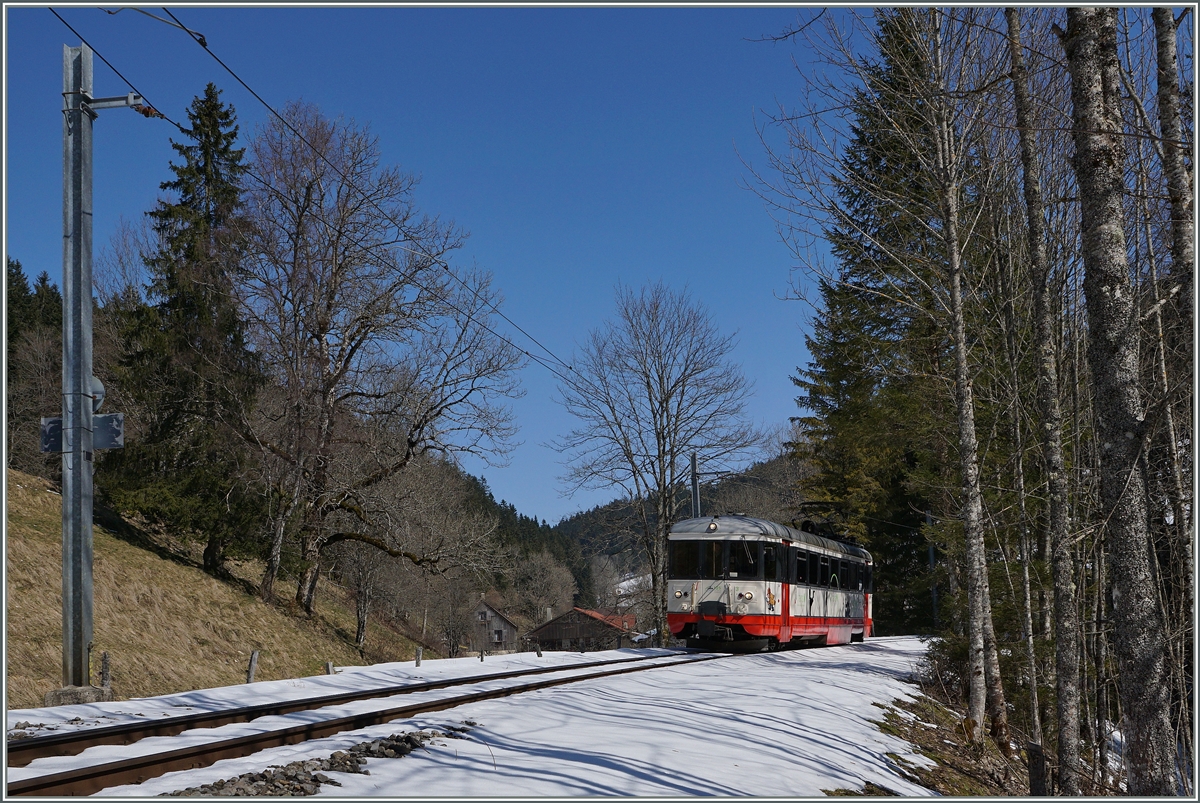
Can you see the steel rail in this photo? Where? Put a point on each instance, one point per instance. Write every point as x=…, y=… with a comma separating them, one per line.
x=88, y=780
x=70, y=743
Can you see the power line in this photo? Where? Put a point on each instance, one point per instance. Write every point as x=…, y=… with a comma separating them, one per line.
x=153, y=112
x=150, y=110
x=418, y=251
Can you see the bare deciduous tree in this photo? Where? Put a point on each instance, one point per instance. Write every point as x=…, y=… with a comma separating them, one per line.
x=377, y=353
x=649, y=389
x=1050, y=415
x=929, y=104
x=540, y=582
x=1098, y=127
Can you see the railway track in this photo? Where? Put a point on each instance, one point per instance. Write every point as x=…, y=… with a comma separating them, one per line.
x=89, y=779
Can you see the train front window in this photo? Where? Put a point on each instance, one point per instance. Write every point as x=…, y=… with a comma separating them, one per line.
x=743, y=559
x=685, y=560
x=695, y=560
x=712, y=558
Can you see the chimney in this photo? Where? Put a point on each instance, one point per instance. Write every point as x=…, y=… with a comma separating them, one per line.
x=549, y=615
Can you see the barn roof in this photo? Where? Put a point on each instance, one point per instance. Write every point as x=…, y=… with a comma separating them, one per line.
x=623, y=623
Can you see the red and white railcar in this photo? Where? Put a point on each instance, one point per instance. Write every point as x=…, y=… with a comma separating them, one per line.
x=741, y=583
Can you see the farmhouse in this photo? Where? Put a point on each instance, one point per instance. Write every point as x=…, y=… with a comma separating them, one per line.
x=583, y=629
x=491, y=630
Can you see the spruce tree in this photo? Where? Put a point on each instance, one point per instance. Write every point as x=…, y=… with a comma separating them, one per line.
x=870, y=406
x=185, y=364
x=33, y=327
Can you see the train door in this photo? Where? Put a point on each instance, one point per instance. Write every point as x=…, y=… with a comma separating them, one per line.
x=819, y=607
x=777, y=573
x=858, y=575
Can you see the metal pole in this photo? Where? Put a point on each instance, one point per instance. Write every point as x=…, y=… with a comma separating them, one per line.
x=695, y=489
x=77, y=365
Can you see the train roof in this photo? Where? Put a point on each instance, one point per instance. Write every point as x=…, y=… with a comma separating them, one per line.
x=747, y=525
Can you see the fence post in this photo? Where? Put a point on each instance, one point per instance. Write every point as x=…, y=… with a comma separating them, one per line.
x=105, y=671
x=329, y=667
x=419, y=651
x=253, y=666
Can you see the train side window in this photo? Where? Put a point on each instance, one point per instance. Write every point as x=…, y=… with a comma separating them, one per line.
x=814, y=569
x=824, y=572
x=870, y=586
x=801, y=566
x=770, y=563
x=844, y=574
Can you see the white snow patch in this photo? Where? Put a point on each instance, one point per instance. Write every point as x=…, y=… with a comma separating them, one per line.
x=784, y=724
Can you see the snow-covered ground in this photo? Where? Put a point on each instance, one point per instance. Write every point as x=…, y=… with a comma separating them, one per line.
x=775, y=724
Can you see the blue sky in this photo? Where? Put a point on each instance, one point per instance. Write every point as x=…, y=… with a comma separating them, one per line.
x=580, y=147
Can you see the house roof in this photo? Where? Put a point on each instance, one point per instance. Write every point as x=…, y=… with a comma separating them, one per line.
x=483, y=603
x=624, y=622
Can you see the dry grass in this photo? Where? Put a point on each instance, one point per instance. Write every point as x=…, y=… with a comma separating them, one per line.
x=166, y=625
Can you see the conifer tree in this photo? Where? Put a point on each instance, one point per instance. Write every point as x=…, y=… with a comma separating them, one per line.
x=873, y=347
x=185, y=365
x=33, y=327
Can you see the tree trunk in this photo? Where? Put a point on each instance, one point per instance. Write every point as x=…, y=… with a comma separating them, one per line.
x=986, y=691
x=1174, y=151
x=266, y=588
x=658, y=584
x=1066, y=655
x=972, y=511
x=1091, y=46
x=306, y=588
x=1101, y=659
x=362, y=608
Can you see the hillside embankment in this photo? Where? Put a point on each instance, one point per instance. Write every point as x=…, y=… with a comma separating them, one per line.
x=166, y=625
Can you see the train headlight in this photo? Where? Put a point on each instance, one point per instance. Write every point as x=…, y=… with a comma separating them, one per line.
x=678, y=595
x=749, y=595
x=741, y=608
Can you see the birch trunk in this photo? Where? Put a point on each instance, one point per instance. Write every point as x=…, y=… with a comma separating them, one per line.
x=1066, y=653
x=972, y=510
x=1179, y=178
x=266, y=588
x=986, y=694
x=1139, y=637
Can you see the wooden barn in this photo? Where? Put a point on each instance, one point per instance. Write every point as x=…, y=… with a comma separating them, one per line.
x=582, y=629
x=491, y=630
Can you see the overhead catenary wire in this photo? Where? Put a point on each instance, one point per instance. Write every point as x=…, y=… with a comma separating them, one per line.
x=418, y=250
x=152, y=107
x=154, y=112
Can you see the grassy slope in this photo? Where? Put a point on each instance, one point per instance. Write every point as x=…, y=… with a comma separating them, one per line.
x=166, y=625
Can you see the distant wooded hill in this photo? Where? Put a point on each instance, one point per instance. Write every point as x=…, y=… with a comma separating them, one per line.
x=765, y=490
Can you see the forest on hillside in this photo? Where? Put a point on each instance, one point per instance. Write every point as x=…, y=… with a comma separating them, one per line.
x=299, y=368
